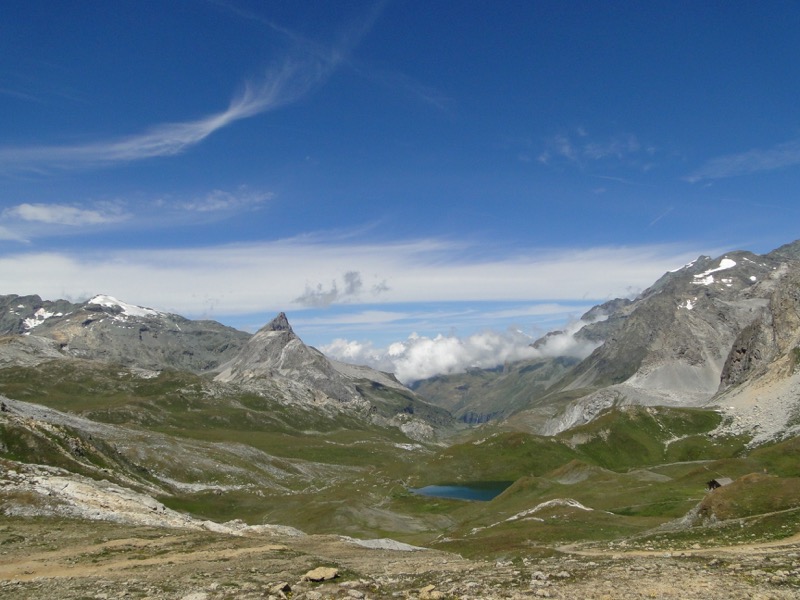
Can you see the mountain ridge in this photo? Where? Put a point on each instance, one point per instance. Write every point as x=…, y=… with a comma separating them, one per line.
x=699, y=336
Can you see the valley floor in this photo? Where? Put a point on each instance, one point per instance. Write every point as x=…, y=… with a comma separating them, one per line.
x=65, y=558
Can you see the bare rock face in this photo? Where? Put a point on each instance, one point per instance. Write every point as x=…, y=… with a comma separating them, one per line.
x=20, y=314
x=713, y=325
x=104, y=328
x=274, y=362
x=27, y=351
x=275, y=352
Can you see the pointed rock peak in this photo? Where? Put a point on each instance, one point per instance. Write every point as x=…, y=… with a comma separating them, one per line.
x=279, y=323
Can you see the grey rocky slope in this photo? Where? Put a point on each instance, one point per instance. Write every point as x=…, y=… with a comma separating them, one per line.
x=719, y=331
x=273, y=362
x=275, y=356
x=275, y=351
x=694, y=336
x=107, y=329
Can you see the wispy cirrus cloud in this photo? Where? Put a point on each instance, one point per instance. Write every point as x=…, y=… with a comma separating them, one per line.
x=28, y=221
x=279, y=87
x=217, y=201
x=756, y=160
x=65, y=214
x=580, y=148
x=358, y=29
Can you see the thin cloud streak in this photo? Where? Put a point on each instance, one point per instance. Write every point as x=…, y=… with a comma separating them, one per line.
x=745, y=163
x=38, y=220
x=62, y=214
x=217, y=201
x=579, y=149
x=280, y=87
x=272, y=276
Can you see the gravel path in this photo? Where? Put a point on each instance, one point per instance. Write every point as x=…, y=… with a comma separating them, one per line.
x=71, y=559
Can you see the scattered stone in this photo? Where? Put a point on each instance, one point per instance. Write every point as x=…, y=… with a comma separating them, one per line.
x=429, y=592
x=321, y=574
x=280, y=588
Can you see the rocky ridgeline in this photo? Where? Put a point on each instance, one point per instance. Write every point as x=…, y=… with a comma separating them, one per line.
x=107, y=329
x=712, y=326
x=719, y=332
x=274, y=362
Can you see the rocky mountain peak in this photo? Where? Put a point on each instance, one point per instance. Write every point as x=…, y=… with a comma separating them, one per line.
x=275, y=353
x=279, y=323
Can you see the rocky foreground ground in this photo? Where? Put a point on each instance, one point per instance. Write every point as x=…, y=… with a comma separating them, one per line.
x=65, y=558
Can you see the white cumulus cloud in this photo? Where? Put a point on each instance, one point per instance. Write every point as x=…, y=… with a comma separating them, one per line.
x=420, y=357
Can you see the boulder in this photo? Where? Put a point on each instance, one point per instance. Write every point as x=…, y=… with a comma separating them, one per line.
x=321, y=574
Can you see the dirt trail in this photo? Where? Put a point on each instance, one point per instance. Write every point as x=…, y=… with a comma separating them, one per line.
x=72, y=561
x=738, y=549
x=95, y=560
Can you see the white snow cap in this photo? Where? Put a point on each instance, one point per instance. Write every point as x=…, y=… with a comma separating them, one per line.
x=130, y=310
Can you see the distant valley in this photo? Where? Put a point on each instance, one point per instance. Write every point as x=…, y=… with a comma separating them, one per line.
x=122, y=416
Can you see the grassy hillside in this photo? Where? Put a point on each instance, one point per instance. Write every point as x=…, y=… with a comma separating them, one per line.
x=221, y=453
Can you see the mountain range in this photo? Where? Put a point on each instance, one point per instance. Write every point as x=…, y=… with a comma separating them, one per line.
x=719, y=332
x=116, y=412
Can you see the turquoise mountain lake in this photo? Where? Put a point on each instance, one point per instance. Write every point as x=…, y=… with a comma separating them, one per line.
x=482, y=491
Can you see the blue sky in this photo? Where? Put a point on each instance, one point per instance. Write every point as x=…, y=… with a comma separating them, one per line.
x=467, y=170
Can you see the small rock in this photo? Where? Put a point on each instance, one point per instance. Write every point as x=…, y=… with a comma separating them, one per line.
x=280, y=588
x=429, y=593
x=321, y=574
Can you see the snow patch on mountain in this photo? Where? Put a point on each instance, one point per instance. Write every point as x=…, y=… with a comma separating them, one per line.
x=39, y=317
x=707, y=277
x=686, y=266
x=129, y=310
